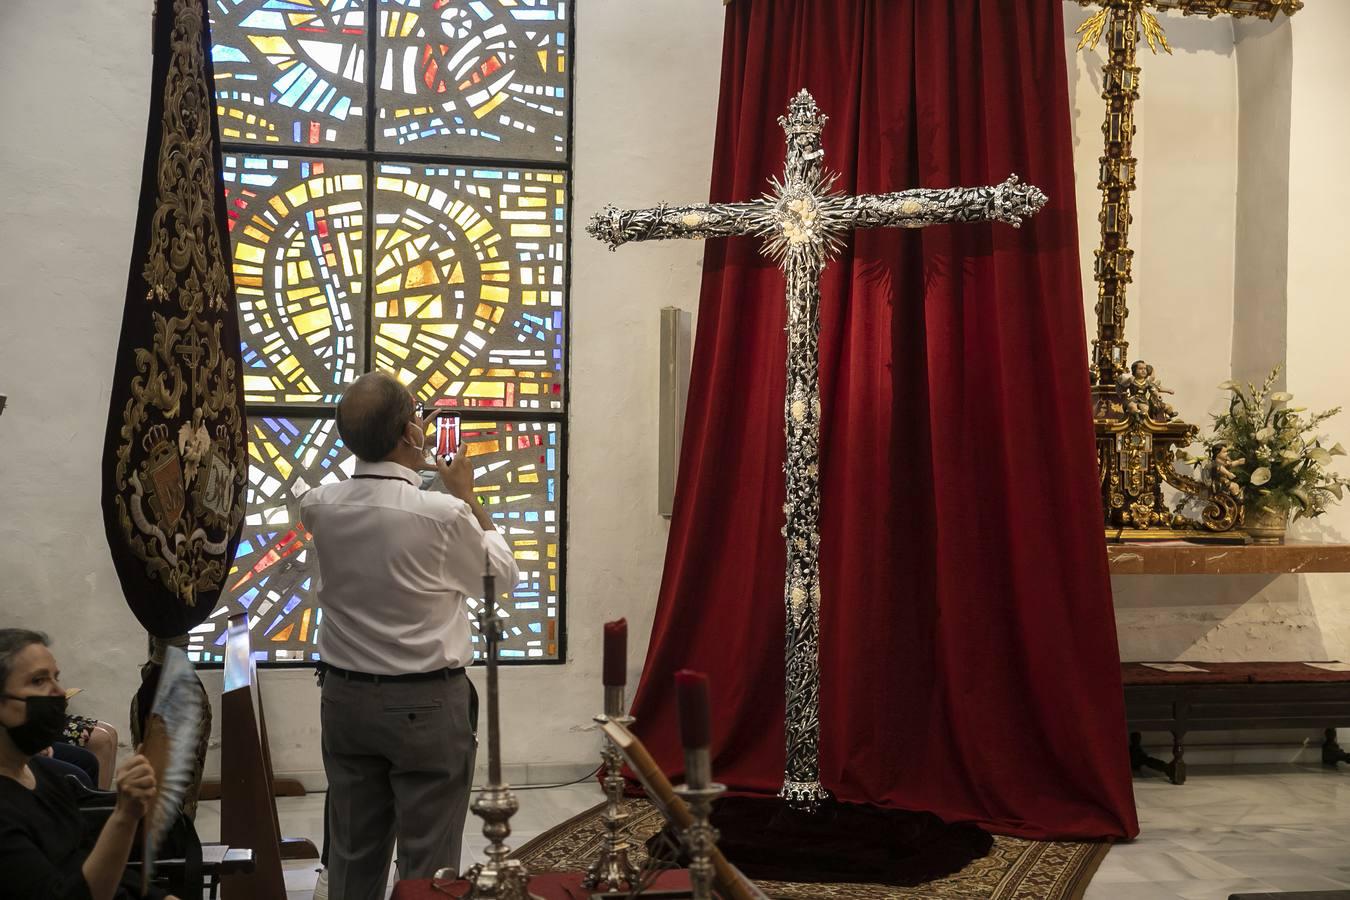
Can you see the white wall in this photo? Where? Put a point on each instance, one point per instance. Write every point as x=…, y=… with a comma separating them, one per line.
x=73, y=96
x=1319, y=271
x=70, y=152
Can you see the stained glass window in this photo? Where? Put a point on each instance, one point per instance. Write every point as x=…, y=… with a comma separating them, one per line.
x=298, y=234
x=290, y=72
x=396, y=176
x=479, y=78
x=516, y=473
x=272, y=578
x=468, y=283
x=516, y=476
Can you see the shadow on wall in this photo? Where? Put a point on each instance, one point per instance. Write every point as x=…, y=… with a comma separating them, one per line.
x=1227, y=618
x=1185, y=34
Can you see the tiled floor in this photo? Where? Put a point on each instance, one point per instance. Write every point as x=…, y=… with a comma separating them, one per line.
x=1240, y=828
x=1256, y=828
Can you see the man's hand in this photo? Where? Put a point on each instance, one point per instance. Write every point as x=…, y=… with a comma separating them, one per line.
x=457, y=477
x=136, y=789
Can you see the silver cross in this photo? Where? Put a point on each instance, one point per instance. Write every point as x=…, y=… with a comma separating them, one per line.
x=804, y=222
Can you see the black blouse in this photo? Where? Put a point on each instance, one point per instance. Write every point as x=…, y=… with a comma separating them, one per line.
x=42, y=840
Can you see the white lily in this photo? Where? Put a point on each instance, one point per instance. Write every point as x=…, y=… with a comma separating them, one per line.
x=1261, y=475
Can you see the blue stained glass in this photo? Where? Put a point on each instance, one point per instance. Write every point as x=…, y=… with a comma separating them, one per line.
x=272, y=21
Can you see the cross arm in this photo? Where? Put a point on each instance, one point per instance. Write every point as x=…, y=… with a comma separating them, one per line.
x=1010, y=202
x=617, y=226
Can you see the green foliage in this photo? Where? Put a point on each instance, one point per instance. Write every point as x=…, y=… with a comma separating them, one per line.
x=1285, y=461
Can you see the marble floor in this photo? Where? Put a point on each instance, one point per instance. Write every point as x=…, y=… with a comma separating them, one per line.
x=1228, y=829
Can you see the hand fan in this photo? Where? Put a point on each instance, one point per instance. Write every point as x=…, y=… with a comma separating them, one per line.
x=172, y=732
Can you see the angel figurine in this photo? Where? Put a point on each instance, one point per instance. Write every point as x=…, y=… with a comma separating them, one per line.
x=1143, y=393
x=1221, y=477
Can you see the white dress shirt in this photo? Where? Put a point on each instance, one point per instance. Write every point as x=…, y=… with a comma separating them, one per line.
x=394, y=564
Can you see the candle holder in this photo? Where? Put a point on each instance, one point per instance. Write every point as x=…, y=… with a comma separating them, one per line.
x=499, y=876
x=612, y=867
x=700, y=838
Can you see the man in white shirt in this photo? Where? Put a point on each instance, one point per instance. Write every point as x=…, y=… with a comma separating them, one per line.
x=394, y=566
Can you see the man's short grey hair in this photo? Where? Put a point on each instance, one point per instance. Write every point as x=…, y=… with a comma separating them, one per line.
x=14, y=641
x=372, y=414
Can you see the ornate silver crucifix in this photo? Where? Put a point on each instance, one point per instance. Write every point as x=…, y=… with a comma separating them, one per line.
x=803, y=223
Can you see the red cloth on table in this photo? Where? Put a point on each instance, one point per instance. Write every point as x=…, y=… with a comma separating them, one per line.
x=968, y=649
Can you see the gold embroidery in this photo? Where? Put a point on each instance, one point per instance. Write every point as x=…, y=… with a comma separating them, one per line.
x=179, y=505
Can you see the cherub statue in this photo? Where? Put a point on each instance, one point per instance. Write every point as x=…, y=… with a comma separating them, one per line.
x=1221, y=477
x=1143, y=393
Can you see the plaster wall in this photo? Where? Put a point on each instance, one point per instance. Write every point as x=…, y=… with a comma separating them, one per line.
x=1319, y=271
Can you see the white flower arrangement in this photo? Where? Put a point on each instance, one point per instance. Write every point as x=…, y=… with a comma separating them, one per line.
x=1280, y=460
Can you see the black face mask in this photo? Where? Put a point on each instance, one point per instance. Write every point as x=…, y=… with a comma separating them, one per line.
x=45, y=723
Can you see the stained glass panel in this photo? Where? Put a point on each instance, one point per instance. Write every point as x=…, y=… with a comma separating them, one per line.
x=298, y=234
x=473, y=77
x=272, y=579
x=516, y=467
x=290, y=72
x=517, y=477
x=468, y=283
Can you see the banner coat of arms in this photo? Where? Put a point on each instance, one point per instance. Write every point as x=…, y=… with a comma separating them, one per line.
x=174, y=458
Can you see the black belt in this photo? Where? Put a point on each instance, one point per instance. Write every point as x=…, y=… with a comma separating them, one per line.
x=437, y=675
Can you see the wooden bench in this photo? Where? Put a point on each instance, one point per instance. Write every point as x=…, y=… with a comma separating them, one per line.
x=1232, y=697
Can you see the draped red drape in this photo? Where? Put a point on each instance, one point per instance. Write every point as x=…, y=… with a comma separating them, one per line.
x=968, y=650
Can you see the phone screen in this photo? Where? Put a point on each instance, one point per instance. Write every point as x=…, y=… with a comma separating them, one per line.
x=447, y=435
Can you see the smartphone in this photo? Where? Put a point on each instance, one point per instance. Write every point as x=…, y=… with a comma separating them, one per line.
x=447, y=435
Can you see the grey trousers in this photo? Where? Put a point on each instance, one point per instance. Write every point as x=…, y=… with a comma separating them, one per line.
x=399, y=758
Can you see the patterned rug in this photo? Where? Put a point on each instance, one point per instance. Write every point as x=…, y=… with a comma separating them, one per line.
x=1015, y=869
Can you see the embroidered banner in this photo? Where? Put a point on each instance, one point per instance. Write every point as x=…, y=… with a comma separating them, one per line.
x=174, y=458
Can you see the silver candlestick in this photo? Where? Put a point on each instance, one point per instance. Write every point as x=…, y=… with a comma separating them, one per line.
x=499, y=876
x=700, y=838
x=612, y=867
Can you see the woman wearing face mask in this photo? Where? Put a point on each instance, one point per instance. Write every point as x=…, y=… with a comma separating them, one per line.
x=42, y=848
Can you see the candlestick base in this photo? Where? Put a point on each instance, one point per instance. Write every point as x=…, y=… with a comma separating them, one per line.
x=498, y=876
x=700, y=838
x=612, y=867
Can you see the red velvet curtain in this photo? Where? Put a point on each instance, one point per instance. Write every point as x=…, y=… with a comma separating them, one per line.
x=968, y=649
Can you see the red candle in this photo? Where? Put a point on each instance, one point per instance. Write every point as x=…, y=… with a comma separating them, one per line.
x=616, y=653
x=692, y=694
